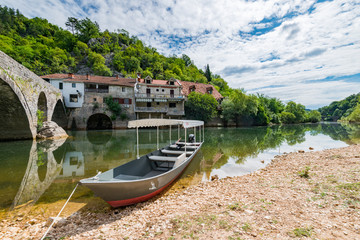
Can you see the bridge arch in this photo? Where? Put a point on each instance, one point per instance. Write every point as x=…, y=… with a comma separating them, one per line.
x=22, y=94
x=59, y=114
x=42, y=106
x=99, y=121
x=14, y=120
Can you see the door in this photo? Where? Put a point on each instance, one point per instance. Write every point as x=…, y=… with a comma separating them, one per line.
x=172, y=93
x=148, y=92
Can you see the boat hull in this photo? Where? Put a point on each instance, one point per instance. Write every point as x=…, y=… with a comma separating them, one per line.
x=121, y=192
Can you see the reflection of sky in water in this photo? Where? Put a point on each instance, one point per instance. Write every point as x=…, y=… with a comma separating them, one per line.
x=251, y=164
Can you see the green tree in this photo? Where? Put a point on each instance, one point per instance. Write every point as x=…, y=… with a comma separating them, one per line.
x=201, y=106
x=355, y=115
x=287, y=118
x=97, y=63
x=87, y=29
x=298, y=110
x=208, y=73
x=240, y=107
x=72, y=24
x=314, y=116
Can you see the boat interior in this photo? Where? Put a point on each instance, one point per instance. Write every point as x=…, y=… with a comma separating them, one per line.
x=151, y=164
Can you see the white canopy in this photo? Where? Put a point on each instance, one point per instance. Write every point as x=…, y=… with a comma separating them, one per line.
x=154, y=122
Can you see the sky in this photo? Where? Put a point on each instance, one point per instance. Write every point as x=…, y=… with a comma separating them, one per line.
x=305, y=51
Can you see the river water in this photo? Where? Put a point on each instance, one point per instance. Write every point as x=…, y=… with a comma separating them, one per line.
x=37, y=172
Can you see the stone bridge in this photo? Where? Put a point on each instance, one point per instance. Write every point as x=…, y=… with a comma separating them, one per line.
x=22, y=93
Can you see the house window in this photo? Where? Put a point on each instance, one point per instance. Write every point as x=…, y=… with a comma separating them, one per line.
x=74, y=161
x=94, y=99
x=157, y=103
x=73, y=98
x=163, y=90
x=157, y=89
x=73, y=85
x=148, y=81
x=123, y=89
x=172, y=105
x=171, y=83
x=60, y=85
x=148, y=104
x=126, y=101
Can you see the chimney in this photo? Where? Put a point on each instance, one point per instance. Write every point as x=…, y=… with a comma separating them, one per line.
x=87, y=76
x=117, y=76
x=70, y=75
x=138, y=77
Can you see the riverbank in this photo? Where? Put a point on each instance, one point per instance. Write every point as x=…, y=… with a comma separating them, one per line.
x=313, y=194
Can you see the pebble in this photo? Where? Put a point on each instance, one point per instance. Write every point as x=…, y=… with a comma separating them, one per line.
x=249, y=211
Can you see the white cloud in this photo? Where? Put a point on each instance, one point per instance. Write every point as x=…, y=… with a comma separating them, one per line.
x=303, y=45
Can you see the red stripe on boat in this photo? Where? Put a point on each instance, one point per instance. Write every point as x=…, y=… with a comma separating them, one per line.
x=130, y=201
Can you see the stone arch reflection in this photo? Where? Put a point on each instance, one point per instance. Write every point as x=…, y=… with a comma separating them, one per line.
x=34, y=184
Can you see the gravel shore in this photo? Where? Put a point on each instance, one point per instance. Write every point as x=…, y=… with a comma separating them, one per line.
x=299, y=195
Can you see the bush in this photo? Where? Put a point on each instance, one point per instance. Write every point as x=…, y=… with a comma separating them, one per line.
x=314, y=116
x=287, y=118
x=200, y=106
x=40, y=119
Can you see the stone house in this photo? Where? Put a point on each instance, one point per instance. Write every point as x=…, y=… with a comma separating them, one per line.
x=189, y=87
x=139, y=98
x=84, y=98
x=158, y=98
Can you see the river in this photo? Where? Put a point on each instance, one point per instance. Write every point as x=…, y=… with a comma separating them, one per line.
x=41, y=172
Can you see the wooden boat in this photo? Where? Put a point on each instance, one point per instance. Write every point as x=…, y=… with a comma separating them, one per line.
x=148, y=175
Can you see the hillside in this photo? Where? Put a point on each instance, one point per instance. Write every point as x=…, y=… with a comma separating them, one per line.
x=45, y=48
x=340, y=109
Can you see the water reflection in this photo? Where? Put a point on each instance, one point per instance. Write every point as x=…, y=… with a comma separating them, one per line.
x=47, y=171
x=41, y=171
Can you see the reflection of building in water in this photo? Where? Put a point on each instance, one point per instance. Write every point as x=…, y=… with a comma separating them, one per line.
x=41, y=171
x=73, y=165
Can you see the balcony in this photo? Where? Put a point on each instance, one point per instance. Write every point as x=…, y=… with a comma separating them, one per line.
x=151, y=109
x=96, y=90
x=175, y=112
x=159, y=96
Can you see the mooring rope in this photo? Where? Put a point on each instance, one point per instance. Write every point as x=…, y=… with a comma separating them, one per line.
x=59, y=213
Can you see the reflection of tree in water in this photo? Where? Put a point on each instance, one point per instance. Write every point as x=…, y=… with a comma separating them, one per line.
x=349, y=133
x=242, y=143
x=353, y=132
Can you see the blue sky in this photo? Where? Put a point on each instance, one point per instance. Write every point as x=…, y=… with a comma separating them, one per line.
x=307, y=51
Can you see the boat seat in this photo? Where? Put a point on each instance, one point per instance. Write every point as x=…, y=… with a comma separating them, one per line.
x=163, y=158
x=176, y=152
x=187, y=147
x=190, y=144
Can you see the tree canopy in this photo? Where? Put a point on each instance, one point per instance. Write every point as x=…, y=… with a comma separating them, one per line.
x=201, y=106
x=340, y=109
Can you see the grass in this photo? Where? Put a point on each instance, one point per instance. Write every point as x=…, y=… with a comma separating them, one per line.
x=246, y=227
x=304, y=173
x=301, y=232
x=236, y=206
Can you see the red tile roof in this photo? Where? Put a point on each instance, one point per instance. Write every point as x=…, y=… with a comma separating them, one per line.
x=129, y=82
x=200, y=88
